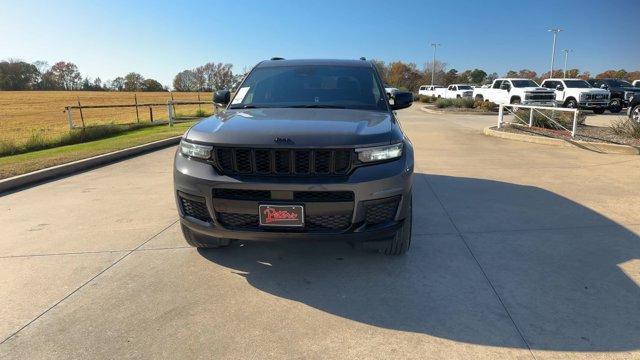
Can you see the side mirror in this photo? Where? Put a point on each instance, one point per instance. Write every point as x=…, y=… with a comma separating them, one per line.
x=559, y=87
x=401, y=100
x=505, y=87
x=222, y=97
x=604, y=86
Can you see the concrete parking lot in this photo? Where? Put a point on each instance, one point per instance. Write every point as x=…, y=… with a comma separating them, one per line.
x=519, y=251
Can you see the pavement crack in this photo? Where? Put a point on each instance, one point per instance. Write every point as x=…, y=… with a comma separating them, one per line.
x=493, y=288
x=129, y=252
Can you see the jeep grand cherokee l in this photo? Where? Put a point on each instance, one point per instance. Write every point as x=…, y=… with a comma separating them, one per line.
x=305, y=149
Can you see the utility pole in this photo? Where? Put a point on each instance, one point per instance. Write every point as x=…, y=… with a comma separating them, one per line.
x=553, y=49
x=433, y=65
x=566, y=55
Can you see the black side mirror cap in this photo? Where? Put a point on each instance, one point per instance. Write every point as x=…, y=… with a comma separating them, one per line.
x=559, y=87
x=401, y=100
x=222, y=97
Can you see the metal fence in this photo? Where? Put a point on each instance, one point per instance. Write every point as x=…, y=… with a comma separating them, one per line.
x=513, y=109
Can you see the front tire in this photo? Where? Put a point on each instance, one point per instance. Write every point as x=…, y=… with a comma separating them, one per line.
x=203, y=242
x=402, y=239
x=615, y=106
x=571, y=104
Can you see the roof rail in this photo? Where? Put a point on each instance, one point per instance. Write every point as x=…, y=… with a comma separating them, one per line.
x=277, y=58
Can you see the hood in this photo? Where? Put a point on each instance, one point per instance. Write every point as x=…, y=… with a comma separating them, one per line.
x=630, y=88
x=593, y=91
x=536, y=89
x=295, y=128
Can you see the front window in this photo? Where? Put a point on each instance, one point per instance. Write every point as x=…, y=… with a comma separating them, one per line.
x=524, y=83
x=580, y=84
x=323, y=86
x=464, y=87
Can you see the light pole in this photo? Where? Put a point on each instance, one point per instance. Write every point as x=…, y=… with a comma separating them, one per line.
x=553, y=49
x=433, y=65
x=566, y=55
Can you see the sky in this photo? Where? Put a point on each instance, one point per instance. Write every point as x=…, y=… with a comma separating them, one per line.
x=160, y=38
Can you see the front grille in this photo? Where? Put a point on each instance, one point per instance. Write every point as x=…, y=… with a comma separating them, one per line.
x=233, y=220
x=379, y=211
x=328, y=222
x=313, y=223
x=287, y=162
x=549, y=96
x=597, y=96
x=195, y=209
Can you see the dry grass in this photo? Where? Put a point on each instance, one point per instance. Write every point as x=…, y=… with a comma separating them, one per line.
x=28, y=114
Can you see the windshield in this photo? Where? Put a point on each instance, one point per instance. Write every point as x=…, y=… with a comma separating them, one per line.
x=577, y=84
x=524, y=83
x=323, y=86
x=464, y=87
x=618, y=83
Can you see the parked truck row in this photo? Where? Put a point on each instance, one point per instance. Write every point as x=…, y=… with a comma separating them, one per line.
x=597, y=95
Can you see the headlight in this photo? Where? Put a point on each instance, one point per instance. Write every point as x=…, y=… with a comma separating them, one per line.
x=380, y=153
x=195, y=150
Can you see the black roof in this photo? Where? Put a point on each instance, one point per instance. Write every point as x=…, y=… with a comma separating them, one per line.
x=300, y=62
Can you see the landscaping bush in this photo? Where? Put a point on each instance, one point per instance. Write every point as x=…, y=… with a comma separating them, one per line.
x=427, y=99
x=626, y=128
x=485, y=105
x=458, y=103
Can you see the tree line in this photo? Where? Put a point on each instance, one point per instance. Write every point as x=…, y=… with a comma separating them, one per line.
x=20, y=75
x=408, y=76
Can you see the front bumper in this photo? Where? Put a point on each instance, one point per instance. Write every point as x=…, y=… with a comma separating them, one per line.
x=593, y=104
x=550, y=103
x=369, y=184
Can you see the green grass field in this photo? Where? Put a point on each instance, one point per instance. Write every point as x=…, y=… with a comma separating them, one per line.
x=23, y=163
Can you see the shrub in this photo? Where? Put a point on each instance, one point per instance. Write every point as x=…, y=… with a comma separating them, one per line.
x=200, y=113
x=485, y=105
x=457, y=103
x=427, y=99
x=626, y=128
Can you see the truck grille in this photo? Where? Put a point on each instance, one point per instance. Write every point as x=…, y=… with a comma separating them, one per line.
x=597, y=96
x=545, y=96
x=299, y=196
x=283, y=162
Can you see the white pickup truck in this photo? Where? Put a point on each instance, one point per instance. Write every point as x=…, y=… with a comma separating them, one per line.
x=429, y=90
x=516, y=91
x=577, y=93
x=454, y=91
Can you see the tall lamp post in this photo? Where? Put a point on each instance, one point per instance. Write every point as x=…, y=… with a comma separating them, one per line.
x=553, y=49
x=566, y=55
x=433, y=65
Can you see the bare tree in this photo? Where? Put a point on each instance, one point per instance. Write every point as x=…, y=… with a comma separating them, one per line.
x=185, y=81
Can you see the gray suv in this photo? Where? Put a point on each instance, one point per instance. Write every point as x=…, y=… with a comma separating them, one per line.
x=305, y=149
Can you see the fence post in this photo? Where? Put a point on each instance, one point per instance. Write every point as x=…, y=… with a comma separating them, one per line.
x=500, y=115
x=170, y=112
x=172, y=105
x=135, y=98
x=575, y=123
x=70, y=118
x=151, y=113
x=531, y=117
x=81, y=115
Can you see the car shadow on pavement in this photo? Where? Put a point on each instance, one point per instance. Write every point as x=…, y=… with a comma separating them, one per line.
x=521, y=255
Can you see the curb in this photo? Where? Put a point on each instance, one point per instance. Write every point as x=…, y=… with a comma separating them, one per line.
x=442, y=112
x=34, y=177
x=592, y=146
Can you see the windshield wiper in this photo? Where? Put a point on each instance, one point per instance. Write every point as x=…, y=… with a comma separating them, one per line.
x=317, y=106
